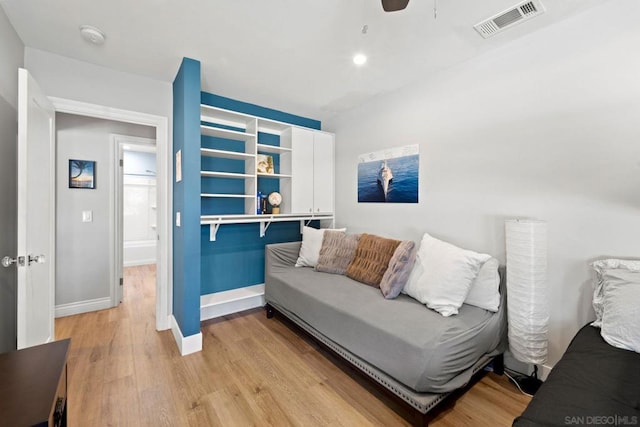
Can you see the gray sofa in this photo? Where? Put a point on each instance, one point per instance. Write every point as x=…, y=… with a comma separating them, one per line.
x=417, y=354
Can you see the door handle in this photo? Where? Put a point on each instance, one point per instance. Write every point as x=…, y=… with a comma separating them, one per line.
x=8, y=261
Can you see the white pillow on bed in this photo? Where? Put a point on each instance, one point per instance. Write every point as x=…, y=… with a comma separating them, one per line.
x=442, y=275
x=620, y=324
x=485, y=289
x=311, y=244
x=601, y=267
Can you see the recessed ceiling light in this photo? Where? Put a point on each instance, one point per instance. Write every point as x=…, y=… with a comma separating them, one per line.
x=359, y=59
x=92, y=34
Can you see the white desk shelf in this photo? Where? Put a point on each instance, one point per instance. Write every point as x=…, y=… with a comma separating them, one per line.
x=215, y=221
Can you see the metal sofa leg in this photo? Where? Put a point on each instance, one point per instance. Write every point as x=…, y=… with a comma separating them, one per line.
x=270, y=311
x=498, y=364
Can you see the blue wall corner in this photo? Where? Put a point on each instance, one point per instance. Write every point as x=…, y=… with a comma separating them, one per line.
x=186, y=197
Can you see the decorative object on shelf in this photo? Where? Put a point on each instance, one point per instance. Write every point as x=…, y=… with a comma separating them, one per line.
x=389, y=176
x=82, y=174
x=275, y=199
x=265, y=164
x=528, y=308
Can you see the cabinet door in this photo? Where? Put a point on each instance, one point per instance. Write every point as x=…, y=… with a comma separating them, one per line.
x=323, y=172
x=301, y=171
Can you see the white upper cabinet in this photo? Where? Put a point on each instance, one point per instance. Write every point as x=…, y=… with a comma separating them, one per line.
x=323, y=172
x=311, y=189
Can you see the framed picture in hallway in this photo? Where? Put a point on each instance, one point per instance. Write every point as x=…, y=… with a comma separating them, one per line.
x=82, y=174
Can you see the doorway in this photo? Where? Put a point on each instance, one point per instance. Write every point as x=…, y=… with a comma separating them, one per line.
x=135, y=172
x=164, y=195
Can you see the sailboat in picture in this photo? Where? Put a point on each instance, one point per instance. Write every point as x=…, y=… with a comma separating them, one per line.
x=384, y=177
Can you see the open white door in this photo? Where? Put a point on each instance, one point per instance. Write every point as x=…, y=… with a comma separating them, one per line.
x=36, y=214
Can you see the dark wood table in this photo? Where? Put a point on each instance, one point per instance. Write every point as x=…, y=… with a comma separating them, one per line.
x=33, y=385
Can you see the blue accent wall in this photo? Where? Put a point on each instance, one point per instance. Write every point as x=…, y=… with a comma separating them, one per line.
x=236, y=258
x=256, y=110
x=186, y=198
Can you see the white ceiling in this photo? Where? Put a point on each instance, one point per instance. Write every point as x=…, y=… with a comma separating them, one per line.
x=292, y=55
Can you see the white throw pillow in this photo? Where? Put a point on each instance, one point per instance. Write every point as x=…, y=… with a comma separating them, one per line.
x=600, y=267
x=485, y=289
x=311, y=244
x=443, y=274
x=620, y=308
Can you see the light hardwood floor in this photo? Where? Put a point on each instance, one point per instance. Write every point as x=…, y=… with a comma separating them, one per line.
x=252, y=371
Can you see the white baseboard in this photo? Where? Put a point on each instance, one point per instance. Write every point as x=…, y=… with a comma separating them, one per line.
x=513, y=364
x=188, y=345
x=545, y=370
x=139, y=253
x=227, y=302
x=137, y=262
x=80, y=307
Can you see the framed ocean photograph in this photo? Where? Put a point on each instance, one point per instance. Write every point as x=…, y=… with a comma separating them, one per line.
x=389, y=176
x=82, y=174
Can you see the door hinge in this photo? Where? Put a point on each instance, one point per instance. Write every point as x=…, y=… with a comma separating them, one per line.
x=121, y=162
x=121, y=281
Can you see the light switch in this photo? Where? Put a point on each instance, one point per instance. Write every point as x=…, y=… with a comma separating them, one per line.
x=87, y=216
x=178, y=219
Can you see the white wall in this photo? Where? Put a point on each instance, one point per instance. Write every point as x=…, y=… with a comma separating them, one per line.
x=80, y=81
x=83, y=252
x=546, y=127
x=11, y=57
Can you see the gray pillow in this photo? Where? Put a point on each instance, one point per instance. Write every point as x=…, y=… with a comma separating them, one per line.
x=400, y=266
x=337, y=250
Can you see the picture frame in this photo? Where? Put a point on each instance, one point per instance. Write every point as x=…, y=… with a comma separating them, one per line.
x=82, y=174
x=265, y=164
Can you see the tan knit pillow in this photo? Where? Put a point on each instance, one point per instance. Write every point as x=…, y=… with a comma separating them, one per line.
x=372, y=259
x=337, y=251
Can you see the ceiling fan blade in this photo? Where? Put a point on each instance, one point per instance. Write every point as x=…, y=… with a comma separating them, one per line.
x=394, y=5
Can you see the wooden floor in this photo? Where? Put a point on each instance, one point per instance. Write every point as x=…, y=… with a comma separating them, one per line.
x=252, y=371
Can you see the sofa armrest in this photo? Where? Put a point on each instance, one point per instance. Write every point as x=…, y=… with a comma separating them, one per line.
x=280, y=255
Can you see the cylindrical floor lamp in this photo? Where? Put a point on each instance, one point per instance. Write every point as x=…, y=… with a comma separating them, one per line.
x=527, y=302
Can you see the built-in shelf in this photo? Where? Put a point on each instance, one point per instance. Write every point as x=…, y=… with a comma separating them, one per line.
x=213, y=174
x=225, y=133
x=215, y=221
x=240, y=120
x=273, y=175
x=211, y=114
x=235, y=155
x=264, y=148
x=231, y=196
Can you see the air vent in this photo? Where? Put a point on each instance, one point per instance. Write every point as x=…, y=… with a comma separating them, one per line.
x=509, y=17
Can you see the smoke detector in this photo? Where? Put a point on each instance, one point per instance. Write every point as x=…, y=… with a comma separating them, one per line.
x=514, y=15
x=92, y=34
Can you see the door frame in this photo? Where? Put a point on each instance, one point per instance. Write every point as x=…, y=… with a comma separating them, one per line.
x=116, y=201
x=164, y=194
